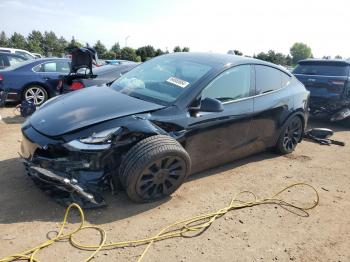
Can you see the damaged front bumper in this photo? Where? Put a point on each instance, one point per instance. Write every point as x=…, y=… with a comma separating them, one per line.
x=67, y=176
x=48, y=177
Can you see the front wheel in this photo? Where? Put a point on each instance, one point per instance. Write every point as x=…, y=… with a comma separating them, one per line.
x=290, y=136
x=154, y=168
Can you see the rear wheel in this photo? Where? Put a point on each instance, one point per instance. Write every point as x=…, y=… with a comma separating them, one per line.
x=290, y=136
x=154, y=168
x=35, y=94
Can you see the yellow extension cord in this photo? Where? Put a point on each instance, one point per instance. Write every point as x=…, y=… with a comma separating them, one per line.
x=178, y=229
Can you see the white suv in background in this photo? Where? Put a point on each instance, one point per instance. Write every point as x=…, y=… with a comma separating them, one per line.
x=20, y=52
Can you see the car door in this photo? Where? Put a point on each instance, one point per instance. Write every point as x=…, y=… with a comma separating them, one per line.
x=214, y=138
x=272, y=105
x=51, y=71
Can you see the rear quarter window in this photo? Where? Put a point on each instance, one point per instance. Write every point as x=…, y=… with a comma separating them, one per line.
x=270, y=79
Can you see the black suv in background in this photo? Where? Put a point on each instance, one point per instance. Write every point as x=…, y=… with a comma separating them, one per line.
x=329, y=84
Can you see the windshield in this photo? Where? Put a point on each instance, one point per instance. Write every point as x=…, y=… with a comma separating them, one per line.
x=162, y=79
x=321, y=69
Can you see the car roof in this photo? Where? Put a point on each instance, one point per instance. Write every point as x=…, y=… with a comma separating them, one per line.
x=12, y=54
x=33, y=62
x=325, y=61
x=223, y=60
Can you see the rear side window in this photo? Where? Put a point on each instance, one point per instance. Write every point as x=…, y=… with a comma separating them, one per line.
x=269, y=79
x=322, y=69
x=53, y=67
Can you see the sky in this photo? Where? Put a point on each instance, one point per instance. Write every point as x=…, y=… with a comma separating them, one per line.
x=250, y=26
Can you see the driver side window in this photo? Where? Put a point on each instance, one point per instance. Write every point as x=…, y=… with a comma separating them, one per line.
x=231, y=85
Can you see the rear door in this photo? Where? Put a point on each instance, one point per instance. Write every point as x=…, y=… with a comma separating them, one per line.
x=324, y=79
x=272, y=105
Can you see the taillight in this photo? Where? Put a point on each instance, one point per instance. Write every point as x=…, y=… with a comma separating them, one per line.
x=59, y=85
x=76, y=85
x=1, y=78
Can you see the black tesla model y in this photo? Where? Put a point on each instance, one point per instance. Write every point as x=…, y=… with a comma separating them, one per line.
x=169, y=117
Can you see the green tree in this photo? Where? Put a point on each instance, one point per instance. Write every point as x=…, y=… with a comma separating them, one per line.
x=186, y=49
x=338, y=57
x=146, y=52
x=50, y=44
x=35, y=42
x=272, y=57
x=128, y=53
x=159, y=52
x=18, y=41
x=300, y=51
x=73, y=44
x=4, y=41
x=62, y=46
x=100, y=49
x=109, y=55
x=177, y=49
x=116, y=50
x=262, y=56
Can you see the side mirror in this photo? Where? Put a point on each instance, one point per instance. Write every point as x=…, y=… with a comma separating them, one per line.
x=211, y=105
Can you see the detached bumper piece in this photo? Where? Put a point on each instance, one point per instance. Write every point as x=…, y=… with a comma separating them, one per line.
x=67, y=190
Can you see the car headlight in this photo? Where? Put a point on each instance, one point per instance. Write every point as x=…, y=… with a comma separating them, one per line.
x=101, y=137
x=97, y=141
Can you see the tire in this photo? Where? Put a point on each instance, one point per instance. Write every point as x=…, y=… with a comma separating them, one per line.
x=154, y=168
x=35, y=93
x=290, y=136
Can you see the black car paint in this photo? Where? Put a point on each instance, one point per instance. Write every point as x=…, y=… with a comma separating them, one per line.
x=245, y=126
x=326, y=97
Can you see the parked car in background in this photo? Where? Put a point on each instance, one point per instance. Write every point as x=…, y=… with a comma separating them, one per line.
x=20, y=52
x=329, y=84
x=8, y=59
x=33, y=80
x=117, y=61
x=37, y=55
x=101, y=75
x=159, y=123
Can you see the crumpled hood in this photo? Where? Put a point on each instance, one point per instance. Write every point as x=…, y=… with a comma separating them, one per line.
x=86, y=107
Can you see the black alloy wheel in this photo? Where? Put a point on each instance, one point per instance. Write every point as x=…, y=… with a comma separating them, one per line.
x=154, y=168
x=290, y=136
x=161, y=177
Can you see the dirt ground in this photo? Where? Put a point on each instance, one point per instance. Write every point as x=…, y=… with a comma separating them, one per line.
x=261, y=233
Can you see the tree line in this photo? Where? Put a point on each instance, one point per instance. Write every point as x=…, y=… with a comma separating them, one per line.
x=48, y=44
x=298, y=51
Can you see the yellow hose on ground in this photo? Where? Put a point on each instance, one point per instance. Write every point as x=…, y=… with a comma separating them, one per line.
x=194, y=225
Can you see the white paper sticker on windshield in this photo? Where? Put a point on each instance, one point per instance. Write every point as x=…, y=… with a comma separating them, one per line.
x=178, y=82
